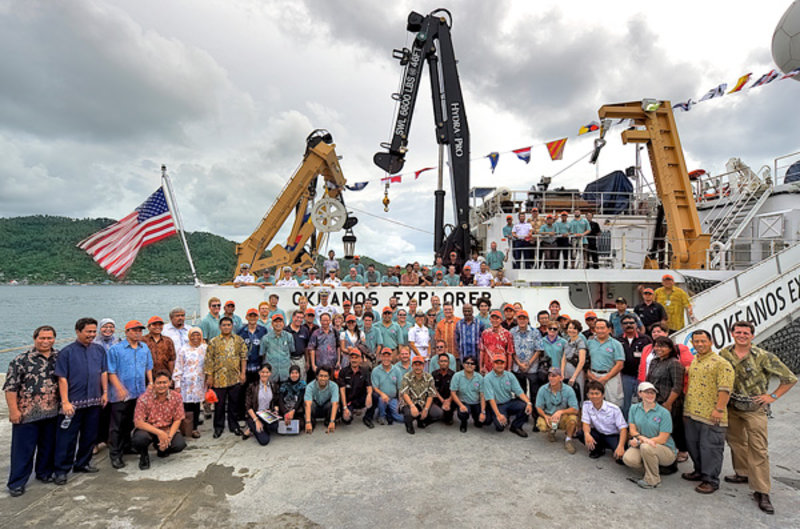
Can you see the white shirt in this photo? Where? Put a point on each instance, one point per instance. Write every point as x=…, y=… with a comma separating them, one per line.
x=522, y=230
x=421, y=338
x=179, y=337
x=502, y=281
x=311, y=283
x=474, y=266
x=332, y=282
x=327, y=309
x=330, y=264
x=483, y=279
x=245, y=278
x=291, y=282
x=607, y=420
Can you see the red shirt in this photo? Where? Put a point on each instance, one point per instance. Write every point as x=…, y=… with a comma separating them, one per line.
x=494, y=343
x=685, y=356
x=159, y=413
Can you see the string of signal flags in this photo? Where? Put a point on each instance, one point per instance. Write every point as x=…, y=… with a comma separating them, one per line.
x=555, y=148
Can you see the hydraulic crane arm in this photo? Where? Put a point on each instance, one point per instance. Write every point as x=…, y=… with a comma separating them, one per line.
x=660, y=134
x=449, y=116
x=298, y=195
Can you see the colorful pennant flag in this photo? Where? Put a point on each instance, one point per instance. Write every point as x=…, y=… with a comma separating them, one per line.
x=686, y=106
x=766, y=78
x=590, y=127
x=358, y=186
x=396, y=179
x=417, y=173
x=715, y=92
x=493, y=159
x=523, y=154
x=740, y=83
x=556, y=148
x=791, y=74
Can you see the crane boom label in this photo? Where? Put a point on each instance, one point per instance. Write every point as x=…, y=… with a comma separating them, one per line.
x=458, y=143
x=409, y=87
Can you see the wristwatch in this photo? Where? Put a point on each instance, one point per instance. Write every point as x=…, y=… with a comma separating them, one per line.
x=774, y=396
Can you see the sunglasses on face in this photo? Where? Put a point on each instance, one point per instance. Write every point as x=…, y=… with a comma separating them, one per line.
x=552, y=329
x=216, y=305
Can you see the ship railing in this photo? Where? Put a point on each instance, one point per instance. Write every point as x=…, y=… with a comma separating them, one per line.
x=626, y=251
x=787, y=166
x=511, y=202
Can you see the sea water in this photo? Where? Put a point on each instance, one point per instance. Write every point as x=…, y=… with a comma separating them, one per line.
x=23, y=308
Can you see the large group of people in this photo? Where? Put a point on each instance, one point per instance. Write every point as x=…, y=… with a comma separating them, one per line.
x=617, y=384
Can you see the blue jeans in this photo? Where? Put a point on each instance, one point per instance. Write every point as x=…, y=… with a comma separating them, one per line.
x=84, y=424
x=629, y=385
x=27, y=439
x=513, y=407
x=388, y=410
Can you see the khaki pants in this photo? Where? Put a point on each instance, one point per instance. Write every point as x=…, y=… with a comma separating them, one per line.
x=566, y=421
x=747, y=437
x=649, y=457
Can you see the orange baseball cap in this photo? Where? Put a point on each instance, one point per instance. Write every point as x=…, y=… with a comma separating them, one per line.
x=154, y=319
x=667, y=276
x=277, y=316
x=310, y=311
x=496, y=313
x=386, y=351
x=230, y=302
x=534, y=209
x=523, y=314
x=387, y=309
x=549, y=217
x=509, y=217
x=134, y=324
x=499, y=358
x=419, y=359
x=356, y=257
x=647, y=291
x=564, y=316
x=251, y=311
x=350, y=317
x=354, y=352
x=346, y=303
x=564, y=213
x=590, y=314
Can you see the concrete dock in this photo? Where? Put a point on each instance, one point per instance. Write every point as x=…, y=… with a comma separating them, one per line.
x=386, y=478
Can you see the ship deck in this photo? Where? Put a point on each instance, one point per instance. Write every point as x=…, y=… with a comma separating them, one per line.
x=387, y=478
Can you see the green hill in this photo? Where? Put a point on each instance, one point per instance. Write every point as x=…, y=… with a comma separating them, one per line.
x=41, y=249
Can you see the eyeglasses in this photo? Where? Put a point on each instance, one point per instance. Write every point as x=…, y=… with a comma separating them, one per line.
x=440, y=346
x=469, y=363
x=216, y=305
x=590, y=319
x=552, y=328
x=628, y=323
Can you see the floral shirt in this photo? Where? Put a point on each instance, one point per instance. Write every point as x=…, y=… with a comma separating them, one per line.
x=32, y=377
x=163, y=352
x=188, y=374
x=224, y=360
x=494, y=343
x=708, y=375
x=159, y=413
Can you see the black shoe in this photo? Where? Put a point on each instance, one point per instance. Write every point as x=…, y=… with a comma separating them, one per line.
x=596, y=454
x=368, y=423
x=117, y=462
x=478, y=425
x=45, y=479
x=669, y=469
x=238, y=432
x=499, y=428
x=16, y=492
x=410, y=429
x=421, y=424
x=217, y=433
x=144, y=462
x=692, y=476
x=389, y=420
x=518, y=431
x=60, y=479
x=88, y=469
x=463, y=427
x=763, y=502
x=449, y=422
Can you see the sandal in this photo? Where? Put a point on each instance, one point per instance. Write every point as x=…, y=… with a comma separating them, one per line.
x=682, y=457
x=246, y=434
x=195, y=434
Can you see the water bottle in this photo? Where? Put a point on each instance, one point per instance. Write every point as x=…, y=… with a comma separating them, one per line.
x=66, y=422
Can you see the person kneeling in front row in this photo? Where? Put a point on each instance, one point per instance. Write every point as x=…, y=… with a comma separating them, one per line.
x=261, y=396
x=417, y=390
x=557, y=406
x=158, y=417
x=651, y=445
x=603, y=424
x=322, y=400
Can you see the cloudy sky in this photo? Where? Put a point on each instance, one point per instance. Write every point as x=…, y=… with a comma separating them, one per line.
x=97, y=95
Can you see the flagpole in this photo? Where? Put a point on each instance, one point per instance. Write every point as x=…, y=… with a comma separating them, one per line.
x=173, y=206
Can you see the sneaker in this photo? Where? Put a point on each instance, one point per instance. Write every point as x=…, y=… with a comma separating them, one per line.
x=643, y=484
x=569, y=447
x=381, y=421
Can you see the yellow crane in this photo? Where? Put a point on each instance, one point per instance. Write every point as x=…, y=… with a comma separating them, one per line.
x=299, y=196
x=655, y=127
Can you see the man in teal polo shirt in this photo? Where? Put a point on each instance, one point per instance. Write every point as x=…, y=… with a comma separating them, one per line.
x=495, y=258
x=557, y=407
x=466, y=388
x=403, y=365
x=562, y=240
x=607, y=358
x=373, y=337
x=277, y=347
x=579, y=228
x=386, y=387
x=322, y=400
x=391, y=333
x=505, y=397
x=210, y=322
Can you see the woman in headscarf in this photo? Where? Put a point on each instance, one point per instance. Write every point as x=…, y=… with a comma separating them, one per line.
x=291, y=396
x=189, y=378
x=106, y=338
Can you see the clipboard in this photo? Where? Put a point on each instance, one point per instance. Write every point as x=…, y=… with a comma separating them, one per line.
x=293, y=427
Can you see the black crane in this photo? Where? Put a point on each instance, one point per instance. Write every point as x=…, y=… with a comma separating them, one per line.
x=451, y=121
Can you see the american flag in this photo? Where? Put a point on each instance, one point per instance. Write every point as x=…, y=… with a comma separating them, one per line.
x=115, y=248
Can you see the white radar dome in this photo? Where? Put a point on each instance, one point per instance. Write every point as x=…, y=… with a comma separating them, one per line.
x=786, y=40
